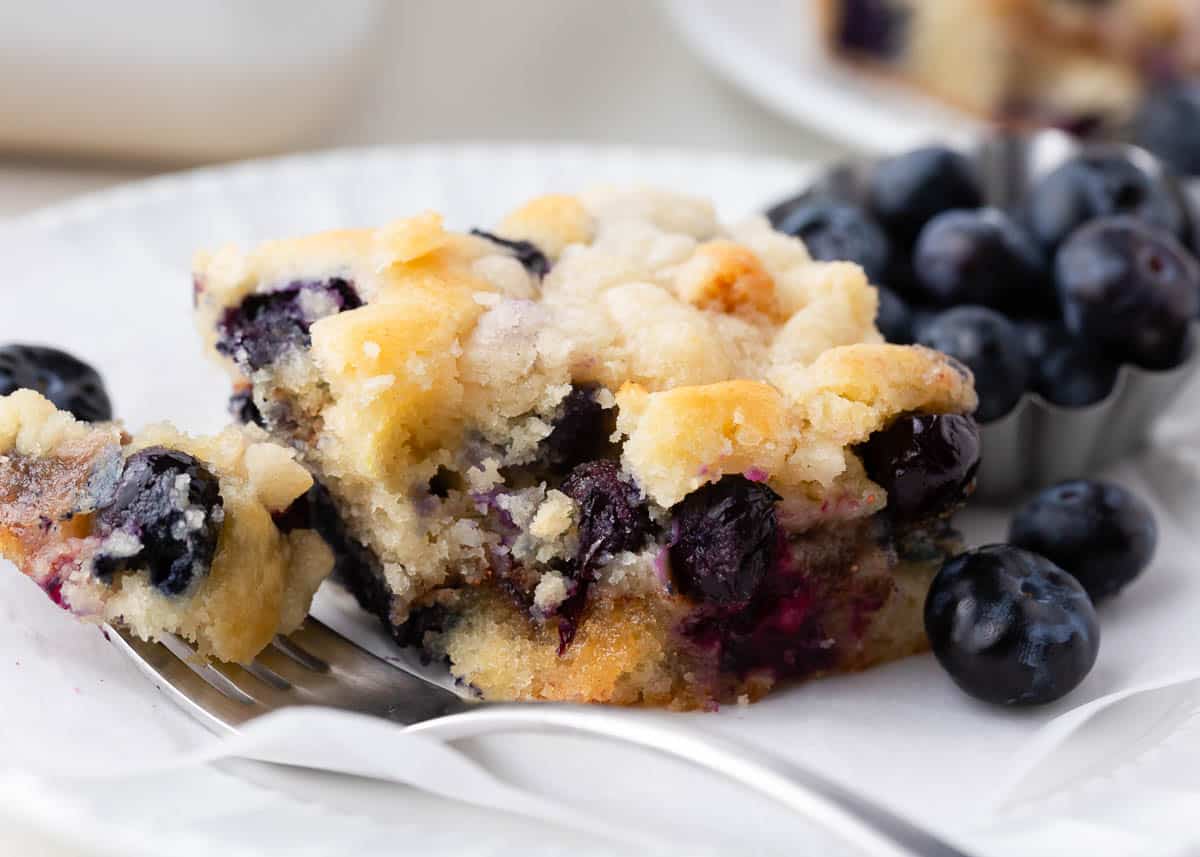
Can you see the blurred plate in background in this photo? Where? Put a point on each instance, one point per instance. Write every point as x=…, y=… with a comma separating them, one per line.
x=772, y=51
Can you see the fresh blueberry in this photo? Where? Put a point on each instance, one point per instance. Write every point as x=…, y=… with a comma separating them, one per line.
x=1168, y=124
x=581, y=430
x=991, y=347
x=894, y=319
x=527, y=253
x=838, y=183
x=925, y=462
x=1065, y=371
x=264, y=326
x=1100, y=532
x=981, y=257
x=724, y=538
x=834, y=230
x=921, y=318
x=612, y=512
x=1073, y=375
x=243, y=409
x=168, y=509
x=68, y=382
x=1129, y=290
x=1011, y=627
x=1098, y=185
x=907, y=191
x=1041, y=337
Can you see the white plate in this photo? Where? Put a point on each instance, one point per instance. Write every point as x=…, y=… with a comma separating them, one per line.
x=771, y=50
x=107, y=277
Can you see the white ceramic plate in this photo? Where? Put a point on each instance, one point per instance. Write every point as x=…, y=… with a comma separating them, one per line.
x=106, y=276
x=771, y=50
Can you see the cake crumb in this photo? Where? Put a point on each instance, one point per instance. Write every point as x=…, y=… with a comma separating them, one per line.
x=550, y=592
x=554, y=516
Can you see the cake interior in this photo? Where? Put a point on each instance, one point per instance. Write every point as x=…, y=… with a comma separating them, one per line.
x=590, y=609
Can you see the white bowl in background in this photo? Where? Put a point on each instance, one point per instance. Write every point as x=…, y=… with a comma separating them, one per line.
x=179, y=81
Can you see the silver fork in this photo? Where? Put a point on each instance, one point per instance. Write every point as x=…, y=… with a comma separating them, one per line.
x=317, y=666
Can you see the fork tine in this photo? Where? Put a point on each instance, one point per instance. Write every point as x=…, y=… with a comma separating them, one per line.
x=178, y=680
x=205, y=670
x=315, y=666
x=265, y=674
x=297, y=654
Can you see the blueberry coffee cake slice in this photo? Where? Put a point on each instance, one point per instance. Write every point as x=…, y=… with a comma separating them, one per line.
x=161, y=533
x=610, y=451
x=1070, y=63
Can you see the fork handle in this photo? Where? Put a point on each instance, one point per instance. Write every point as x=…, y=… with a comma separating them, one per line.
x=875, y=830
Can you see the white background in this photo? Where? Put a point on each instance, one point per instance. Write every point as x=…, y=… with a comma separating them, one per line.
x=612, y=71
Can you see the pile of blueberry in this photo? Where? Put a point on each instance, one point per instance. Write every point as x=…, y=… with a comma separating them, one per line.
x=1089, y=271
x=1014, y=624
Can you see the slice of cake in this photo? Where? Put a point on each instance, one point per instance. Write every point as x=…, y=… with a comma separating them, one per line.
x=1069, y=63
x=161, y=533
x=611, y=451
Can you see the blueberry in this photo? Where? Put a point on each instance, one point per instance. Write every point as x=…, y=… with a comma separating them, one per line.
x=167, y=506
x=1011, y=627
x=1073, y=375
x=834, y=230
x=1100, y=532
x=872, y=27
x=838, y=183
x=921, y=318
x=68, y=382
x=1098, y=185
x=925, y=462
x=259, y=330
x=1041, y=337
x=1129, y=290
x=612, y=517
x=991, y=347
x=981, y=257
x=612, y=512
x=527, y=253
x=906, y=192
x=1168, y=124
x=894, y=319
x=1064, y=370
x=355, y=565
x=724, y=538
x=581, y=430
x=243, y=409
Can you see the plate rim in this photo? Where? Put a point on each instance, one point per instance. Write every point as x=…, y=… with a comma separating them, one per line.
x=734, y=58
x=82, y=205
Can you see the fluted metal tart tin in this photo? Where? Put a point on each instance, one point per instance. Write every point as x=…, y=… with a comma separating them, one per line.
x=1039, y=443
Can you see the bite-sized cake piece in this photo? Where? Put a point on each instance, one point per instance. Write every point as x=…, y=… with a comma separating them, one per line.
x=161, y=533
x=608, y=452
x=1069, y=63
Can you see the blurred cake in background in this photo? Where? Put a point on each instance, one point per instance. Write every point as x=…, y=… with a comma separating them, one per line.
x=1074, y=64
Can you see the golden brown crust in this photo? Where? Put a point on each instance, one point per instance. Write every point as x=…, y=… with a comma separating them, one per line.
x=552, y=223
x=727, y=277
